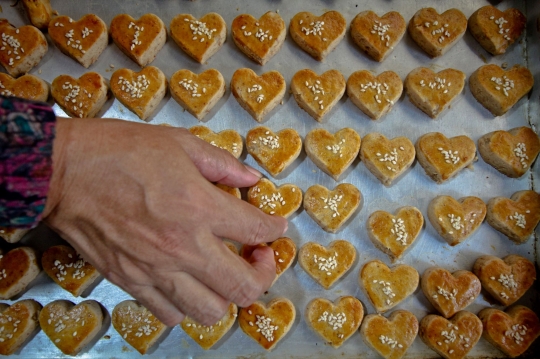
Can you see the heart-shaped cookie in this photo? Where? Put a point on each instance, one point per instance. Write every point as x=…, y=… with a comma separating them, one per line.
x=230, y=190
x=387, y=159
x=497, y=89
x=316, y=94
x=27, y=86
x=331, y=209
x=12, y=235
x=443, y=158
x=332, y=153
x=199, y=38
x=505, y=279
x=267, y=324
x=18, y=268
x=71, y=327
x=451, y=339
x=258, y=95
x=18, y=321
x=259, y=39
x=510, y=152
x=516, y=217
x=207, y=336
x=282, y=201
x=387, y=287
x=82, y=97
x=434, y=92
x=39, y=12
x=374, y=95
x=198, y=94
x=391, y=337
x=513, y=331
x=435, y=33
x=335, y=322
x=139, y=39
x=395, y=234
x=450, y=292
x=22, y=48
x=318, y=35
x=284, y=253
x=136, y=325
x=273, y=151
x=229, y=140
x=141, y=91
x=68, y=269
x=496, y=30
x=83, y=40
x=377, y=36
x=454, y=220
x=326, y=265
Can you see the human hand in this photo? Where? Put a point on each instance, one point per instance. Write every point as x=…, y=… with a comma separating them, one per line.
x=136, y=201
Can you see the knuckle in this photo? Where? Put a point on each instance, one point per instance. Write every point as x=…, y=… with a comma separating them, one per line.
x=260, y=228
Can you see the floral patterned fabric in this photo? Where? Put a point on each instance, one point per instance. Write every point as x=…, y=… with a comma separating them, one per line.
x=26, y=138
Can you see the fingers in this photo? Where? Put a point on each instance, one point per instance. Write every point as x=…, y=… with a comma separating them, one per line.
x=156, y=302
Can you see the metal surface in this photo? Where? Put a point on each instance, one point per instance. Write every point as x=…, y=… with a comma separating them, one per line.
x=466, y=116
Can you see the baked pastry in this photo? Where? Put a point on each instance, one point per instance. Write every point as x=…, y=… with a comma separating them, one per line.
x=499, y=90
x=258, y=95
x=505, y=279
x=82, y=97
x=332, y=153
x=83, y=40
x=273, y=151
x=39, y=12
x=377, y=36
x=259, y=39
x=434, y=92
x=231, y=246
x=282, y=201
x=284, y=253
x=229, y=140
x=326, y=265
x=27, y=86
x=374, y=95
x=434, y=33
x=496, y=30
x=450, y=292
x=443, y=158
x=230, y=190
x=198, y=94
x=391, y=337
x=335, y=322
x=331, y=209
x=18, y=268
x=136, y=325
x=515, y=217
x=451, y=339
x=387, y=159
x=454, y=220
x=139, y=39
x=22, y=48
x=267, y=324
x=71, y=327
x=510, y=152
x=142, y=91
x=512, y=331
x=68, y=269
x=387, y=287
x=318, y=35
x=395, y=234
x=208, y=336
x=199, y=38
x=317, y=95
x=12, y=235
x=18, y=321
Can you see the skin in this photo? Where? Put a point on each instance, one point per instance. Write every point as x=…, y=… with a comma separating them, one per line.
x=136, y=201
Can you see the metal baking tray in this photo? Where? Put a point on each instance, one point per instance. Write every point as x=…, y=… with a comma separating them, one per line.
x=466, y=116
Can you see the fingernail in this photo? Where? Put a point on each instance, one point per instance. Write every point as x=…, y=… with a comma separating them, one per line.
x=254, y=171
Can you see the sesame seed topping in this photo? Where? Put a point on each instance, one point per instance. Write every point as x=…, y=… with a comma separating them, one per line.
x=449, y=156
x=315, y=28
x=135, y=88
x=332, y=204
x=520, y=151
x=446, y=294
x=335, y=321
x=503, y=84
x=199, y=28
x=265, y=327
x=381, y=31
x=400, y=231
x=519, y=219
x=392, y=343
x=326, y=264
x=517, y=332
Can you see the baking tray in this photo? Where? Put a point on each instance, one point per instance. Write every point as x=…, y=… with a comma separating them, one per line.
x=466, y=116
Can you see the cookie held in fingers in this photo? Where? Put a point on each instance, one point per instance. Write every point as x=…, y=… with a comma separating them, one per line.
x=199, y=38
x=18, y=321
x=208, y=336
x=229, y=140
x=259, y=39
x=280, y=201
x=198, y=94
x=230, y=190
x=334, y=322
x=28, y=86
x=18, y=268
x=82, y=97
x=326, y=265
x=315, y=94
x=12, y=235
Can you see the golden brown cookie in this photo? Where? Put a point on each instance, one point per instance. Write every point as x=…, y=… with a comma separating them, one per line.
x=229, y=140
x=207, y=336
x=18, y=321
x=12, y=235
x=230, y=190
x=82, y=97
x=39, y=12
x=281, y=201
x=18, y=268
x=27, y=86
